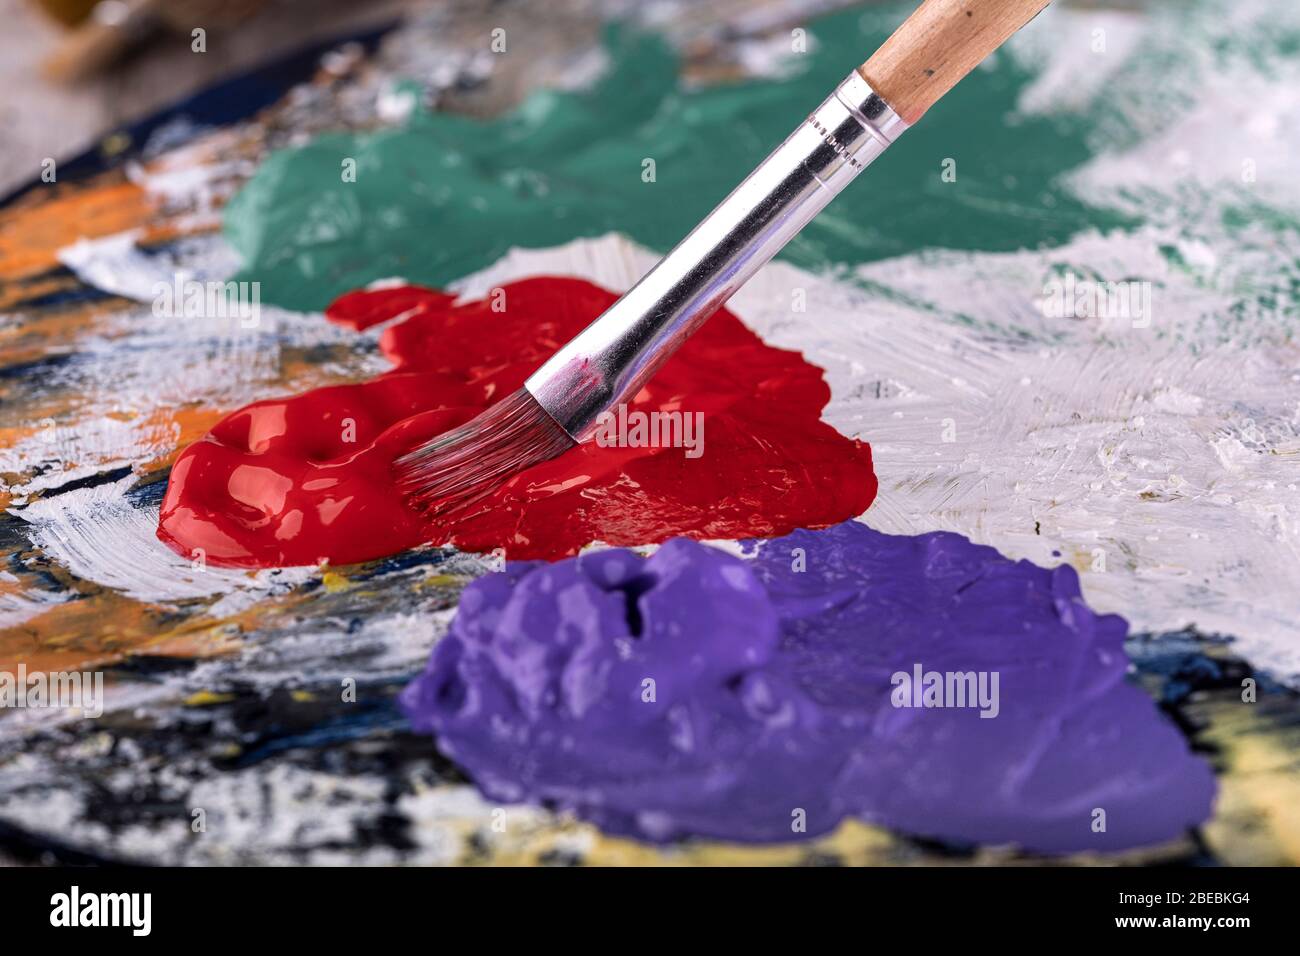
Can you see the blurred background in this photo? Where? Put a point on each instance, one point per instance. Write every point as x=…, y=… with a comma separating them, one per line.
x=71, y=70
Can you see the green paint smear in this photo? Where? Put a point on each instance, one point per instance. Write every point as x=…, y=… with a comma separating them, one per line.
x=447, y=195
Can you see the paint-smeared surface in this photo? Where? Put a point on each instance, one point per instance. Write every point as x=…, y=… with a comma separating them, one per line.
x=307, y=479
x=696, y=694
x=1156, y=459
x=1157, y=447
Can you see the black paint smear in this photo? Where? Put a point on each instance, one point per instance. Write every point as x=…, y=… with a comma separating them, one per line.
x=37, y=849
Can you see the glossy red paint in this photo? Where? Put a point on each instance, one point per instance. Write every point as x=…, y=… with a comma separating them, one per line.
x=309, y=478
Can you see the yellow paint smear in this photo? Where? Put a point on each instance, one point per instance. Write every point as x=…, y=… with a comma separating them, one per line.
x=207, y=698
x=1256, y=818
x=335, y=582
x=852, y=843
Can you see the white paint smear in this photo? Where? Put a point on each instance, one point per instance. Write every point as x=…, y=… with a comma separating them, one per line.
x=115, y=263
x=1191, y=108
x=1074, y=54
x=100, y=535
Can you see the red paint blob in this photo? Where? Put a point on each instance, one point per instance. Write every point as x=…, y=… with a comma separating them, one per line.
x=304, y=479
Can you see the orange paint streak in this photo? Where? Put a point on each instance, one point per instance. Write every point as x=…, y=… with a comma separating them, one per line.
x=36, y=227
x=17, y=293
x=34, y=335
x=93, y=632
x=192, y=424
x=12, y=435
x=106, y=627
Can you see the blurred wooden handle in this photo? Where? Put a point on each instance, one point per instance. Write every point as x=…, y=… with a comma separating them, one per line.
x=937, y=45
x=95, y=43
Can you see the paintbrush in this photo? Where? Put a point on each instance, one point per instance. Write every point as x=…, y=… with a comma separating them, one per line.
x=607, y=363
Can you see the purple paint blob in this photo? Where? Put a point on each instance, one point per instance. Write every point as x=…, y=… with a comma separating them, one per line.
x=776, y=696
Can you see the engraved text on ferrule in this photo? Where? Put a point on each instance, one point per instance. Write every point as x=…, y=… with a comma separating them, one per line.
x=829, y=139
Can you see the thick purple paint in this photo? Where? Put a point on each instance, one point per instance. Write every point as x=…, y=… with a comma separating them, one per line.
x=772, y=695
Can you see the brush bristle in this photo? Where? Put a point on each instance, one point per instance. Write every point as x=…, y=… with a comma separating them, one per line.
x=464, y=464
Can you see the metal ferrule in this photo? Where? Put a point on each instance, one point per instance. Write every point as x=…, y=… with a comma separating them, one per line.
x=610, y=360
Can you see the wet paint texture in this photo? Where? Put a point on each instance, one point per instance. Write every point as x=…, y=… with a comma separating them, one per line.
x=772, y=695
x=298, y=480
x=565, y=165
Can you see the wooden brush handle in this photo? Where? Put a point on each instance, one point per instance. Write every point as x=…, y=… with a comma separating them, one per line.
x=937, y=45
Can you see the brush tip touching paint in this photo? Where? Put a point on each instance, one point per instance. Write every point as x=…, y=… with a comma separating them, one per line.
x=468, y=462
